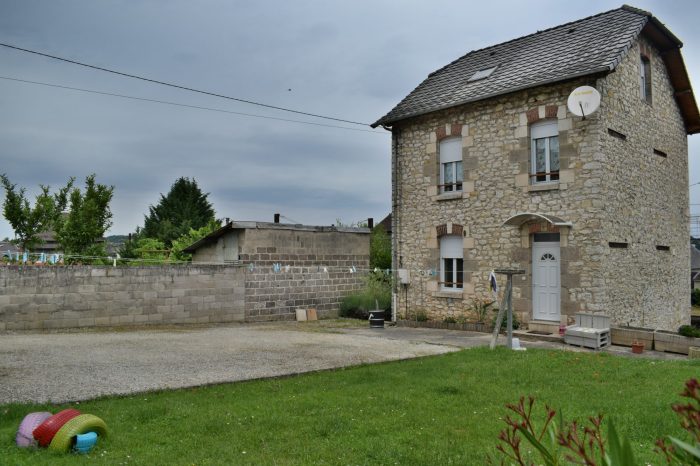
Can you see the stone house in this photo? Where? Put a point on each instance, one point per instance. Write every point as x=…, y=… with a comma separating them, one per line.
x=264, y=244
x=491, y=170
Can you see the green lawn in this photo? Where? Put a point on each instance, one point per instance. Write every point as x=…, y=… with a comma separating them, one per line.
x=438, y=410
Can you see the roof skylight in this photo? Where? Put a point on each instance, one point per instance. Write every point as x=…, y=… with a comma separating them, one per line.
x=482, y=74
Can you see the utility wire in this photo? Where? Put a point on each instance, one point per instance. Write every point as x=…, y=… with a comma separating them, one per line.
x=177, y=86
x=143, y=99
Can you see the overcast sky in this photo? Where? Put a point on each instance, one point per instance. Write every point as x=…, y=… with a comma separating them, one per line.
x=348, y=59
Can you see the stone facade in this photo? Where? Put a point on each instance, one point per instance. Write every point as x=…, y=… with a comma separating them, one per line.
x=610, y=190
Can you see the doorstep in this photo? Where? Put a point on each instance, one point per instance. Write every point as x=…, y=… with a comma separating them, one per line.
x=536, y=335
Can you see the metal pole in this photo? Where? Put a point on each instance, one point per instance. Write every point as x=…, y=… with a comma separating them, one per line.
x=509, y=286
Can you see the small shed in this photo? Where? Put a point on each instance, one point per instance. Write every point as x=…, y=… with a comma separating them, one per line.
x=265, y=243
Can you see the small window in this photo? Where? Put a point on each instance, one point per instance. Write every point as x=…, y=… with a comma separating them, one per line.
x=617, y=245
x=660, y=247
x=617, y=134
x=544, y=160
x=660, y=153
x=451, y=263
x=451, y=173
x=482, y=74
x=645, y=79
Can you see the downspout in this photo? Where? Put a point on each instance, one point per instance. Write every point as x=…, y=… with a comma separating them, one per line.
x=395, y=232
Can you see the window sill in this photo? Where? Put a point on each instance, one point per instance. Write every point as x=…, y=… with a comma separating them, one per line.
x=448, y=294
x=552, y=185
x=449, y=196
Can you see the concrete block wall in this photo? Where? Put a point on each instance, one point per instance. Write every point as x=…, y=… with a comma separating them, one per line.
x=275, y=296
x=88, y=296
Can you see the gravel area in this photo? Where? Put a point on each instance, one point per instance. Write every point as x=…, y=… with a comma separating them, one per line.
x=60, y=367
x=72, y=366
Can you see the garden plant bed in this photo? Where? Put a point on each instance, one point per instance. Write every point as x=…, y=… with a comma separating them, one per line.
x=374, y=414
x=626, y=336
x=466, y=326
x=672, y=342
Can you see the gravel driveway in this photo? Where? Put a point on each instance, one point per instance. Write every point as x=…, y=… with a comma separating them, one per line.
x=62, y=367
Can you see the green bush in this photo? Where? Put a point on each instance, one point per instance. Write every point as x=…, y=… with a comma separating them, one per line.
x=375, y=295
x=449, y=320
x=421, y=316
x=504, y=322
x=689, y=331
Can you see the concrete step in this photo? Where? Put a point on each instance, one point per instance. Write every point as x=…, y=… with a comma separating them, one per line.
x=543, y=326
x=528, y=335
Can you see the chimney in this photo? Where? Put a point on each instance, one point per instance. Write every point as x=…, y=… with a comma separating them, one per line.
x=228, y=220
x=370, y=223
x=277, y=218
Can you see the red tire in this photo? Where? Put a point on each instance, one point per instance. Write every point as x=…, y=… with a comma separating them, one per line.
x=47, y=429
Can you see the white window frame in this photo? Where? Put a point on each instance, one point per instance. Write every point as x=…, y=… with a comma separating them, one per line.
x=451, y=157
x=452, y=256
x=545, y=130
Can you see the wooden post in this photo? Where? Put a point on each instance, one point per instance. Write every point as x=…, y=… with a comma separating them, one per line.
x=506, y=305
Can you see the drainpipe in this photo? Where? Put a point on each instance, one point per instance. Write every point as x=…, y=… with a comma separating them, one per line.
x=395, y=230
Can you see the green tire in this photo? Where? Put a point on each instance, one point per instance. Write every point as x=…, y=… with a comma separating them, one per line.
x=78, y=425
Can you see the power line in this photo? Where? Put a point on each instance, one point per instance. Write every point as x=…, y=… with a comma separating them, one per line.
x=165, y=102
x=177, y=86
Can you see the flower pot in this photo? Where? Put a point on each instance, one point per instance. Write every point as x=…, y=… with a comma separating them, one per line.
x=637, y=348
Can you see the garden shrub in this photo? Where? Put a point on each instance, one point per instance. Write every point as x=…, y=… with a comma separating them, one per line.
x=377, y=292
x=504, y=322
x=689, y=331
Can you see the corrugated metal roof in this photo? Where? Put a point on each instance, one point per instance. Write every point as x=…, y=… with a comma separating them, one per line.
x=584, y=47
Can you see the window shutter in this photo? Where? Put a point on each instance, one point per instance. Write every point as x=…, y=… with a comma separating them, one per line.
x=451, y=150
x=545, y=129
x=451, y=247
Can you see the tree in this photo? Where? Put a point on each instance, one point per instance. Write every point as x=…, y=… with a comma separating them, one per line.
x=27, y=221
x=190, y=238
x=185, y=207
x=379, y=248
x=89, y=216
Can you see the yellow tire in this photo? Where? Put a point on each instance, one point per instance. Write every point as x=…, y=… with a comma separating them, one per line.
x=78, y=425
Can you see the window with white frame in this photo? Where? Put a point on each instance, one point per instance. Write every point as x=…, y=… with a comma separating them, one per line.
x=645, y=78
x=451, y=263
x=545, y=152
x=451, y=174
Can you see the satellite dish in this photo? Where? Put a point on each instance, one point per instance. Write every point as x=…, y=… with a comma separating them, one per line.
x=583, y=101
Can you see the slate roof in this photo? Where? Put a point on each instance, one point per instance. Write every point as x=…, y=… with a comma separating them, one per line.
x=588, y=46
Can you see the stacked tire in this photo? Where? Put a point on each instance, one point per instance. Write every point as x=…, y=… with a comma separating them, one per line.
x=61, y=431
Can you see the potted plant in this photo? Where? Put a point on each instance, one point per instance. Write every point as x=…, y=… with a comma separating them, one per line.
x=637, y=347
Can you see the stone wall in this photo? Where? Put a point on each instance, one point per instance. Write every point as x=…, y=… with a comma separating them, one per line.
x=276, y=295
x=83, y=296
x=646, y=197
x=608, y=189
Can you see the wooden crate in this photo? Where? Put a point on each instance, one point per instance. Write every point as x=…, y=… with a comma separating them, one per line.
x=590, y=330
x=625, y=336
x=588, y=337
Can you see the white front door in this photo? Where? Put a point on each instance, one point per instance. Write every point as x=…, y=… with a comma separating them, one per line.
x=546, y=290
